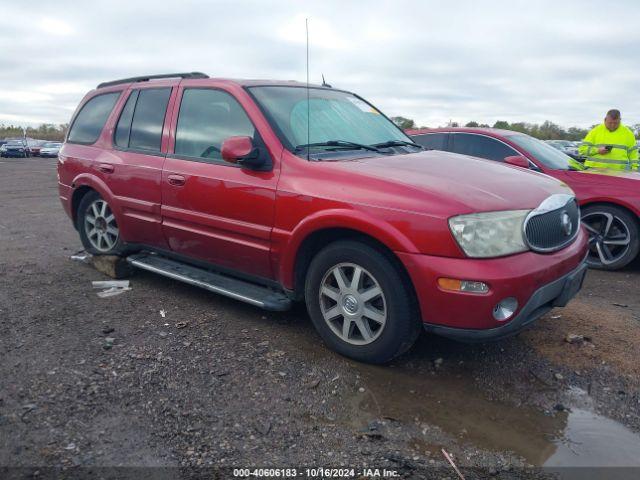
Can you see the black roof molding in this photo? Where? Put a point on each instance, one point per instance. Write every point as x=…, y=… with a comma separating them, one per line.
x=146, y=78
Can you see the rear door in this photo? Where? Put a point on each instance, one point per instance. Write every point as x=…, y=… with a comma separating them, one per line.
x=213, y=210
x=134, y=173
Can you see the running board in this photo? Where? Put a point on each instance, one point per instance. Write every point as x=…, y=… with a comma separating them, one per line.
x=224, y=285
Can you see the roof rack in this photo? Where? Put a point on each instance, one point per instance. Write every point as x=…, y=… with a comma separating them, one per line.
x=146, y=78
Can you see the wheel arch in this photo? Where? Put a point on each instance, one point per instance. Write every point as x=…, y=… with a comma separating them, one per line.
x=82, y=185
x=608, y=203
x=318, y=239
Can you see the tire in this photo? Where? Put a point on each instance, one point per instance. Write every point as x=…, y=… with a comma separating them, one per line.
x=614, y=239
x=397, y=323
x=106, y=238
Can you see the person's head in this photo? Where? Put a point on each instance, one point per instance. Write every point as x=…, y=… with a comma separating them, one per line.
x=612, y=120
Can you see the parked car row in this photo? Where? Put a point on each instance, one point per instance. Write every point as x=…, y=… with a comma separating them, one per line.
x=567, y=146
x=24, y=149
x=271, y=192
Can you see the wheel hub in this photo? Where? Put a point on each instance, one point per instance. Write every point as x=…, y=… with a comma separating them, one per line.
x=101, y=224
x=350, y=304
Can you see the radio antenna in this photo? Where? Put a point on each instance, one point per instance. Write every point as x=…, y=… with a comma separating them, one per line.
x=306, y=24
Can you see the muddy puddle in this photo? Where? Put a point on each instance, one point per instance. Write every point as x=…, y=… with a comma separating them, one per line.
x=577, y=437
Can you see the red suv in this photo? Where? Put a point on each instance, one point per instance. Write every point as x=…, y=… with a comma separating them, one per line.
x=609, y=199
x=271, y=192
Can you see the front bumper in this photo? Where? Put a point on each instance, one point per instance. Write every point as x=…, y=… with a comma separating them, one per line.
x=554, y=294
x=520, y=276
x=14, y=153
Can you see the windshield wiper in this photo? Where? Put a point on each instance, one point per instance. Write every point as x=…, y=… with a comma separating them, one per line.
x=397, y=143
x=339, y=143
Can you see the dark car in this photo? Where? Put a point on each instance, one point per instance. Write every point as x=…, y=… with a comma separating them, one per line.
x=609, y=199
x=16, y=148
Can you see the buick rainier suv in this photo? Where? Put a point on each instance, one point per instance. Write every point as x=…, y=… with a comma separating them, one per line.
x=271, y=192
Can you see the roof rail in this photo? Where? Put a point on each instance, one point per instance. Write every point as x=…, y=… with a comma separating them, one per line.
x=146, y=78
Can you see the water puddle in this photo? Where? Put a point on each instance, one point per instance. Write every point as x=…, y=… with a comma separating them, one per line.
x=577, y=438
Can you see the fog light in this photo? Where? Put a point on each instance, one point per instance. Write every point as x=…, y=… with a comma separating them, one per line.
x=456, y=285
x=505, y=309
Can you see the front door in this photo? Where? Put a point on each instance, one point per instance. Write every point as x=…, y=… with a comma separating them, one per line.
x=213, y=210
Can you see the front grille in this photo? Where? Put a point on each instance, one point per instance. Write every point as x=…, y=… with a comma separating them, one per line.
x=553, y=225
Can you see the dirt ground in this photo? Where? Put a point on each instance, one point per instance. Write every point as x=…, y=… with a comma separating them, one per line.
x=195, y=380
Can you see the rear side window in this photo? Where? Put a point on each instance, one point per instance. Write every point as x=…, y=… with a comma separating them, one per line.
x=147, y=120
x=432, y=141
x=90, y=120
x=481, y=146
x=123, y=129
x=206, y=119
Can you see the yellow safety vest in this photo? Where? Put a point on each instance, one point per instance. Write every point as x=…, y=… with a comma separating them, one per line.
x=623, y=154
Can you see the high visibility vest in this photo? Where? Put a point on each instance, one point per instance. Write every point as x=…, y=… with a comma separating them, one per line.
x=623, y=152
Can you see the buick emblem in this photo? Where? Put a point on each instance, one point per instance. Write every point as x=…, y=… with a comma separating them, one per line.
x=567, y=224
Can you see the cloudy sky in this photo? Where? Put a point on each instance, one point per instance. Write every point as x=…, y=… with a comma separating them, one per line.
x=433, y=61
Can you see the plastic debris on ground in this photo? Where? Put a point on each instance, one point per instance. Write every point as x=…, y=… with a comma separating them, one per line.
x=111, y=288
x=81, y=256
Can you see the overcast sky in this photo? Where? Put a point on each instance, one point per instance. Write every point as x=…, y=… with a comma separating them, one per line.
x=566, y=61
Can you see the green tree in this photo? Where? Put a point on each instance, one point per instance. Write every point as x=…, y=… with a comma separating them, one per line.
x=403, y=123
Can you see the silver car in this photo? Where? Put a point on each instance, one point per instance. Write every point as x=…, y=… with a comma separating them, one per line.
x=50, y=149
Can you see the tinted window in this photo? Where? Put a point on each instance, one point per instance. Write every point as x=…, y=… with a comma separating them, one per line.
x=432, y=141
x=148, y=119
x=90, y=120
x=545, y=154
x=206, y=119
x=481, y=146
x=123, y=129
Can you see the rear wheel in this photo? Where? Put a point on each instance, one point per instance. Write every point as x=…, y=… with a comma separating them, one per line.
x=613, y=236
x=97, y=226
x=360, y=303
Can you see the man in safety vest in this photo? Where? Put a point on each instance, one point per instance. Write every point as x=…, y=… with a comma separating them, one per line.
x=610, y=145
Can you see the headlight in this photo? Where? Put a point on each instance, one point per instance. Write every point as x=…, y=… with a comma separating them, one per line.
x=490, y=234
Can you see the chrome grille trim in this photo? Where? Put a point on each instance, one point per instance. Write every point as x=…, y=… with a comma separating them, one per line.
x=538, y=228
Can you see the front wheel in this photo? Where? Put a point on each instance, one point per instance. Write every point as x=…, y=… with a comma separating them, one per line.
x=360, y=304
x=97, y=226
x=613, y=236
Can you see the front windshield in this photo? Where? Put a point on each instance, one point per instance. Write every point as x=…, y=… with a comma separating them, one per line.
x=543, y=152
x=332, y=116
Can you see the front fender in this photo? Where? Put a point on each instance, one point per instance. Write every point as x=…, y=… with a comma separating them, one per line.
x=287, y=243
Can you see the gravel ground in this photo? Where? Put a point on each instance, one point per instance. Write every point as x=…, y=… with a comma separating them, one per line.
x=192, y=380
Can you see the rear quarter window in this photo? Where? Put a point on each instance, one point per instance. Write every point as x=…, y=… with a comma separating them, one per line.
x=90, y=121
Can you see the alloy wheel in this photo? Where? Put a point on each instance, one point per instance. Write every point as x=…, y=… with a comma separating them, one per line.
x=100, y=226
x=353, y=304
x=609, y=237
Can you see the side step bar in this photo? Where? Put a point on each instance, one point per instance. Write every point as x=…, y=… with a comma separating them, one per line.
x=224, y=285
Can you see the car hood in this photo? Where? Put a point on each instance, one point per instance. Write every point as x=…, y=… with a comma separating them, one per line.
x=457, y=183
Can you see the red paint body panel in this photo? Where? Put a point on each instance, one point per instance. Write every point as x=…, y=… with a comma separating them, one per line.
x=254, y=222
x=514, y=276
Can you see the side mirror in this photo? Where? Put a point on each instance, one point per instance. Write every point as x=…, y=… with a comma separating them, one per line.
x=240, y=150
x=517, y=160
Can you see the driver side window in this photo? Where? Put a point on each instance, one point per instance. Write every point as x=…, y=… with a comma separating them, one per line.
x=208, y=117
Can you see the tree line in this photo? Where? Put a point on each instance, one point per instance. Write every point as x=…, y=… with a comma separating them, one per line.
x=544, y=131
x=46, y=131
